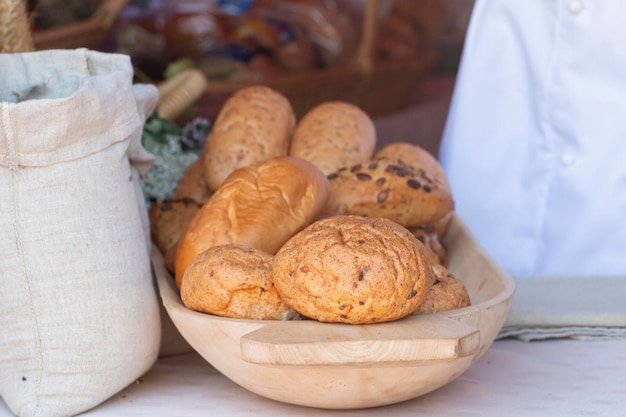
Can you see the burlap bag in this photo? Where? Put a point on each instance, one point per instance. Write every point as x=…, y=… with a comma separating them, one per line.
x=79, y=316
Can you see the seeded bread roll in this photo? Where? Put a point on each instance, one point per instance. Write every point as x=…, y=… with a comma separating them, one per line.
x=259, y=206
x=234, y=281
x=391, y=189
x=446, y=293
x=415, y=156
x=193, y=183
x=419, y=158
x=254, y=125
x=334, y=134
x=357, y=270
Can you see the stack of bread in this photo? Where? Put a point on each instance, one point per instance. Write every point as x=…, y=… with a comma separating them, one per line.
x=283, y=219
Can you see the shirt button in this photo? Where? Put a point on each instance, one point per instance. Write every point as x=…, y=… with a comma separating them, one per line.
x=568, y=159
x=575, y=6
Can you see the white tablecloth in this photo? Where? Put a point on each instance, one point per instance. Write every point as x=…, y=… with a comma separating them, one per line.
x=547, y=378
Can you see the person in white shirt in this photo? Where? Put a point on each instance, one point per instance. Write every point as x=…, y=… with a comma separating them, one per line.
x=535, y=141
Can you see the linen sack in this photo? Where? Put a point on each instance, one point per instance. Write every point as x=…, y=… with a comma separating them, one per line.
x=79, y=316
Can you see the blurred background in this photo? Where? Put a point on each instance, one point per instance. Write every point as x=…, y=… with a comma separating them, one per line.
x=397, y=59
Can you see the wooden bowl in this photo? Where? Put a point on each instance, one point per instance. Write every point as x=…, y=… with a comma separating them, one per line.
x=341, y=366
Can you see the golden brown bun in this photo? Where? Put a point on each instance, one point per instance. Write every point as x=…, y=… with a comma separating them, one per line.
x=447, y=293
x=354, y=270
x=414, y=156
x=389, y=188
x=168, y=220
x=234, y=281
x=436, y=250
x=193, y=184
x=255, y=124
x=333, y=135
x=259, y=206
x=440, y=226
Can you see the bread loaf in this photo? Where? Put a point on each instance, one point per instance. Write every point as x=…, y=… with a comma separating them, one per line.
x=354, y=270
x=391, y=189
x=255, y=124
x=446, y=293
x=193, y=183
x=259, y=206
x=333, y=135
x=168, y=220
x=234, y=281
x=414, y=156
x=437, y=251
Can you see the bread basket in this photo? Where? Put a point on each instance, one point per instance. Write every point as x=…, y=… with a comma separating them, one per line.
x=338, y=366
x=379, y=87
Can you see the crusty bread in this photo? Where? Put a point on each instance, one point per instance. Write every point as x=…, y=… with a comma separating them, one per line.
x=440, y=226
x=446, y=293
x=168, y=220
x=234, y=281
x=416, y=157
x=355, y=270
x=259, y=206
x=389, y=188
x=436, y=250
x=255, y=124
x=334, y=134
x=193, y=183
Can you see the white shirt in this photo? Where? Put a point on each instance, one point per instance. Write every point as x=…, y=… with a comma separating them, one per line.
x=535, y=142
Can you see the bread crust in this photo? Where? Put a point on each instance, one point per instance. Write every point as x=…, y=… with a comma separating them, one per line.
x=446, y=293
x=255, y=124
x=356, y=270
x=193, y=183
x=416, y=157
x=168, y=220
x=436, y=250
x=334, y=134
x=391, y=189
x=259, y=206
x=234, y=281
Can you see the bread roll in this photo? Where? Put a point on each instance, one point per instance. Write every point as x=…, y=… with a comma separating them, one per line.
x=333, y=135
x=391, y=189
x=446, y=293
x=234, y=281
x=168, y=220
x=416, y=157
x=355, y=270
x=193, y=183
x=259, y=206
x=436, y=250
x=255, y=124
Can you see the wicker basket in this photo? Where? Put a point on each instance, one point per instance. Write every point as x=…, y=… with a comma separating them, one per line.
x=14, y=27
x=85, y=33
x=379, y=87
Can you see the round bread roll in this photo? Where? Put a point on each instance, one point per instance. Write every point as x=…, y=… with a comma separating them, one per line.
x=416, y=157
x=437, y=251
x=357, y=270
x=234, y=281
x=440, y=226
x=255, y=124
x=193, y=183
x=446, y=293
x=333, y=135
x=259, y=206
x=389, y=188
x=168, y=220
